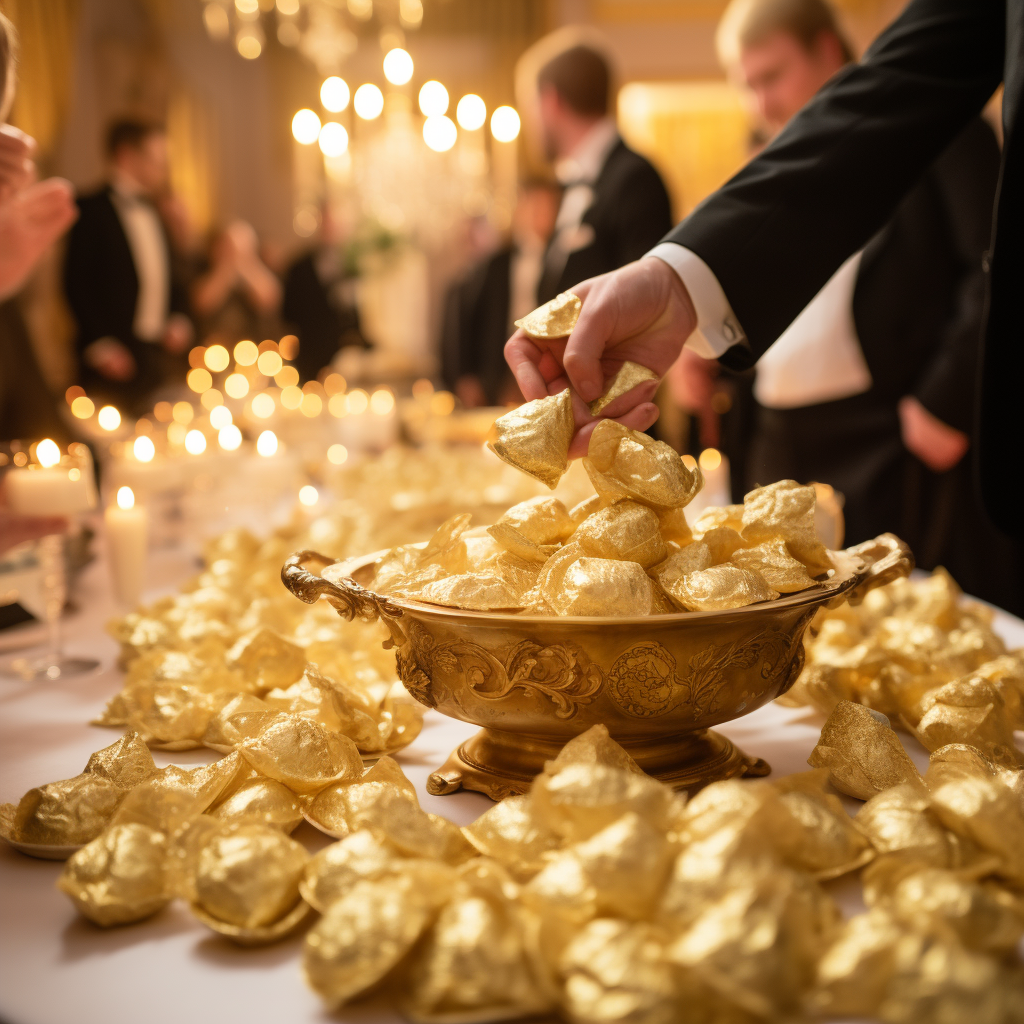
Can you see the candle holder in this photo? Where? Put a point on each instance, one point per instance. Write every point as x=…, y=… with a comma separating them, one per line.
x=41, y=480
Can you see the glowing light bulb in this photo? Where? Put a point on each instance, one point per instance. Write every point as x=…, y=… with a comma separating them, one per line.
x=368, y=101
x=334, y=94
x=246, y=353
x=47, y=453
x=229, y=437
x=398, y=66
x=308, y=495
x=471, y=112
x=266, y=443
x=333, y=139
x=109, y=418
x=216, y=358
x=220, y=417
x=439, y=133
x=505, y=124
x=337, y=454
x=305, y=127
x=143, y=449
x=195, y=442
x=125, y=498
x=433, y=99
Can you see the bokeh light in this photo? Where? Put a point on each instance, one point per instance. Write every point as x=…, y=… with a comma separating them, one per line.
x=382, y=402
x=195, y=442
x=286, y=377
x=333, y=139
x=471, y=112
x=433, y=99
x=312, y=405
x=398, y=66
x=305, y=127
x=182, y=412
x=109, y=418
x=82, y=408
x=308, y=495
x=246, y=353
x=229, y=437
x=266, y=443
x=199, y=380
x=358, y=402
x=125, y=498
x=236, y=386
x=220, y=417
x=263, y=406
x=505, y=124
x=337, y=454
x=334, y=94
x=269, y=363
x=216, y=358
x=368, y=102
x=143, y=449
x=439, y=133
x=291, y=398
x=47, y=453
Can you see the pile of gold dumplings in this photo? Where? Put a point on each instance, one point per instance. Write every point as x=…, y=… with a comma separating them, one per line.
x=925, y=657
x=601, y=895
x=234, y=638
x=626, y=550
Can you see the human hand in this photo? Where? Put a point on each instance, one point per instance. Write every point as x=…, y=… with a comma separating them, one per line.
x=691, y=383
x=939, y=446
x=29, y=223
x=111, y=358
x=17, y=169
x=642, y=313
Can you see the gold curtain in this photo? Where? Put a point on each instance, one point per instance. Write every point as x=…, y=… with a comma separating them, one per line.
x=46, y=49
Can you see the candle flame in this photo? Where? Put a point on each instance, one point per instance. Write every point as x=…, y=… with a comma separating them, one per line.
x=47, y=453
x=125, y=498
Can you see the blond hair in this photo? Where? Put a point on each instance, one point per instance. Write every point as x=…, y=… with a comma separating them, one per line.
x=8, y=59
x=749, y=22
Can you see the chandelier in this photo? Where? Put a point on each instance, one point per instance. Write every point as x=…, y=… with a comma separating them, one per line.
x=325, y=32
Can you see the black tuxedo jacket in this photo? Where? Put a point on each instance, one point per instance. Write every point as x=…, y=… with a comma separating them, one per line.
x=777, y=231
x=629, y=215
x=920, y=295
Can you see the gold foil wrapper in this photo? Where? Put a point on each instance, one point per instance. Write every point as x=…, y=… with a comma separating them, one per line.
x=263, y=800
x=624, y=463
x=603, y=586
x=555, y=319
x=247, y=878
x=119, y=877
x=535, y=437
x=511, y=834
x=267, y=660
x=786, y=509
x=771, y=559
x=627, y=377
x=625, y=531
x=475, y=591
x=718, y=587
x=723, y=542
x=862, y=754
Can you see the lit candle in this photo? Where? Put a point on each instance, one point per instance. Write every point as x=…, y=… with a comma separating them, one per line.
x=717, y=490
x=45, y=488
x=127, y=530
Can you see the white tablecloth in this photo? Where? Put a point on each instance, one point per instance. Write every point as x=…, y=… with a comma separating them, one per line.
x=57, y=968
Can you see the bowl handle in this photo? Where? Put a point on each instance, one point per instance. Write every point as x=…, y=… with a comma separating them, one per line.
x=886, y=558
x=347, y=597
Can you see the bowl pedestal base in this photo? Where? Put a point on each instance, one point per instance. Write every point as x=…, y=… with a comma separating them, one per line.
x=500, y=764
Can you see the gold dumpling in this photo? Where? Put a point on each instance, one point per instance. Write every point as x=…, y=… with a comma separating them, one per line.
x=786, y=509
x=772, y=560
x=604, y=586
x=627, y=377
x=535, y=437
x=264, y=800
x=555, y=319
x=624, y=463
x=246, y=882
x=625, y=531
x=719, y=587
x=474, y=591
x=119, y=877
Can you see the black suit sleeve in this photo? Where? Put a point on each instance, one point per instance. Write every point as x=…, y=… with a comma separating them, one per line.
x=777, y=231
x=642, y=214
x=965, y=179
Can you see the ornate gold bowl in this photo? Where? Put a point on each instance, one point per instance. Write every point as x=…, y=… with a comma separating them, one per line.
x=658, y=682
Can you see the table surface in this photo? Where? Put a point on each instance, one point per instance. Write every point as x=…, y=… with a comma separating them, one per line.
x=57, y=968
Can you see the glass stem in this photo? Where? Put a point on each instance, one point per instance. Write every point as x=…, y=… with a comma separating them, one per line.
x=51, y=561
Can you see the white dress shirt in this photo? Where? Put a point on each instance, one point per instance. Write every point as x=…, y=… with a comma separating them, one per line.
x=148, y=247
x=818, y=358
x=578, y=172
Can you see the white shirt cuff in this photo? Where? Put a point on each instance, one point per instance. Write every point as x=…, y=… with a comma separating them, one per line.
x=717, y=326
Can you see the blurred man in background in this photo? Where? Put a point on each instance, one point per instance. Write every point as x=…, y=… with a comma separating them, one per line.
x=482, y=309
x=128, y=308
x=870, y=389
x=615, y=205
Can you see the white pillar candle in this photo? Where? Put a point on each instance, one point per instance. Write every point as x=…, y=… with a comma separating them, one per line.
x=127, y=531
x=49, y=489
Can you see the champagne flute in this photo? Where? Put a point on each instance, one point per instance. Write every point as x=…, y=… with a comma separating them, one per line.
x=42, y=480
